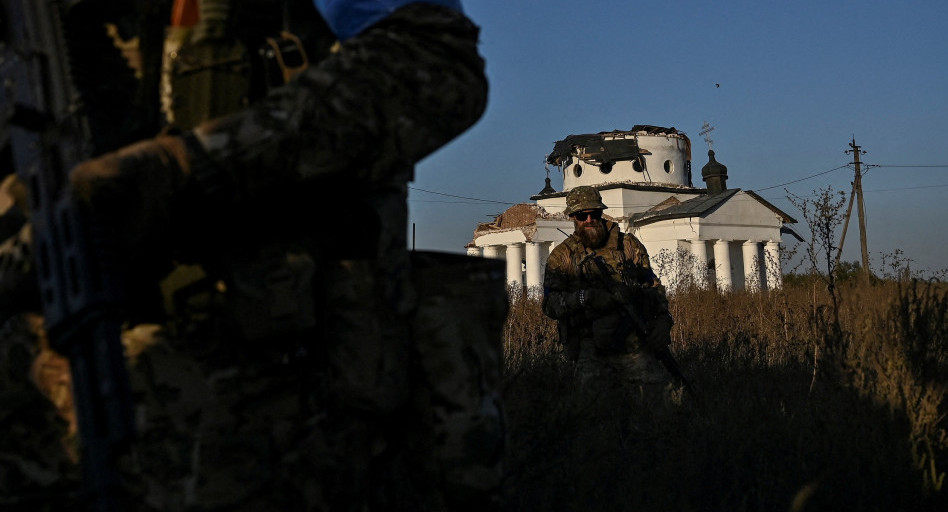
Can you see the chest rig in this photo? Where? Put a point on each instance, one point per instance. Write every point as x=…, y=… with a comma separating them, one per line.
x=218, y=57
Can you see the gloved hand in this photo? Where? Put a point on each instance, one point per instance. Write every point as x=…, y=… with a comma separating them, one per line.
x=141, y=176
x=137, y=190
x=659, y=332
x=596, y=299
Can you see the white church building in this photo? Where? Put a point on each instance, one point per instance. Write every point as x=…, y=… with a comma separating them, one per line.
x=715, y=236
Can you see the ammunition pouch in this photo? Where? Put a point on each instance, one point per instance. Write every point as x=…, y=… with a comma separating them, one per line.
x=209, y=74
x=208, y=78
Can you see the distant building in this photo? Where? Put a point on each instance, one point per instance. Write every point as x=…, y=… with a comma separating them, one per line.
x=713, y=236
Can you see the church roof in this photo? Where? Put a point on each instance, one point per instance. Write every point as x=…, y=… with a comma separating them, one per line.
x=604, y=147
x=780, y=213
x=699, y=206
x=516, y=217
x=695, y=207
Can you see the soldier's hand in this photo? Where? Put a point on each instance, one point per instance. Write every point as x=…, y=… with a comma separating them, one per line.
x=136, y=190
x=138, y=176
x=596, y=299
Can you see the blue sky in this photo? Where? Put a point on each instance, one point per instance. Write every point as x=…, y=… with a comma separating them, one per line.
x=798, y=81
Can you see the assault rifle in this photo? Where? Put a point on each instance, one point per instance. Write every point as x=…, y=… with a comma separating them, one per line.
x=47, y=134
x=626, y=296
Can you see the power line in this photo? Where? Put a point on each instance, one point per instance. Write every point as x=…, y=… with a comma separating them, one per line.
x=908, y=188
x=448, y=202
x=804, y=178
x=460, y=197
x=885, y=165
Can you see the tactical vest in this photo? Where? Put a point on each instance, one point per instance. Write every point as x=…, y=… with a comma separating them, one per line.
x=602, y=331
x=221, y=55
x=168, y=65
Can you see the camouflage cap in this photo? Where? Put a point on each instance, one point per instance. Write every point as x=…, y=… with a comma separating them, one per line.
x=583, y=198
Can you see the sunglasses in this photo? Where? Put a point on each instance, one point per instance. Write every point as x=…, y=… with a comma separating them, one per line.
x=582, y=216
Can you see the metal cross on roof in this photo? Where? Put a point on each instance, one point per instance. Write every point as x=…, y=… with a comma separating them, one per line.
x=706, y=130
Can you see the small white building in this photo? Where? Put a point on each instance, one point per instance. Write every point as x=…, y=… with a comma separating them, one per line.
x=713, y=236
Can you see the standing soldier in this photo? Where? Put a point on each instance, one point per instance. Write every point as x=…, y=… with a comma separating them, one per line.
x=582, y=277
x=274, y=217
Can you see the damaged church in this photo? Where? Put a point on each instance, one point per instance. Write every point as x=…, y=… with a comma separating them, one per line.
x=714, y=236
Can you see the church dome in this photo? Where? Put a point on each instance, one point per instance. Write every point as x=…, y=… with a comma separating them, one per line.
x=714, y=174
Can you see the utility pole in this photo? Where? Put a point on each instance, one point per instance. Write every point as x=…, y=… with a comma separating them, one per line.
x=860, y=205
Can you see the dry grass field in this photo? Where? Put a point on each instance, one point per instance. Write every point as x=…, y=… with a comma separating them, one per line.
x=813, y=398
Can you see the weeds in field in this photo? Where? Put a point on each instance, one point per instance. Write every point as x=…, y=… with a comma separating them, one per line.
x=866, y=432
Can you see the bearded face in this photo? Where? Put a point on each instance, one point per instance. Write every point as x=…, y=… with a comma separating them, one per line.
x=591, y=232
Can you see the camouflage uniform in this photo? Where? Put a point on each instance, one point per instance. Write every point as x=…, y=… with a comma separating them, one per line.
x=388, y=401
x=586, y=333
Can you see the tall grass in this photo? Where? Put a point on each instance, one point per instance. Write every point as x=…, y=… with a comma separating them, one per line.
x=815, y=398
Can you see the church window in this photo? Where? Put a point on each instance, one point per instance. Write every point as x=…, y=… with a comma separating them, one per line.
x=638, y=165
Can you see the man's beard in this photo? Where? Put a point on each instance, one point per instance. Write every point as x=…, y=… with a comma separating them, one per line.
x=592, y=235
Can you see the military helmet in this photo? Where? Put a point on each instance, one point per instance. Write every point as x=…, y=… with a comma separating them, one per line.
x=583, y=198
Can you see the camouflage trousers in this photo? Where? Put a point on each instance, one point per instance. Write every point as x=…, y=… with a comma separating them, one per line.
x=638, y=370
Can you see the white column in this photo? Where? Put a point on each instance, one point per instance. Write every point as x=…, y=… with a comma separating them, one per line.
x=515, y=265
x=749, y=250
x=495, y=252
x=774, y=272
x=535, y=266
x=699, y=249
x=722, y=265
x=473, y=250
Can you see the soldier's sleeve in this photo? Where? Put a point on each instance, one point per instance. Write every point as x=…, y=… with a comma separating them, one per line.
x=389, y=97
x=636, y=252
x=559, y=296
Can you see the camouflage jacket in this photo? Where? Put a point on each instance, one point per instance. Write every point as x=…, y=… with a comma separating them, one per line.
x=569, y=270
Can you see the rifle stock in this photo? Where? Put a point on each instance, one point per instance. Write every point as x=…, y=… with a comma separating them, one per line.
x=74, y=252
